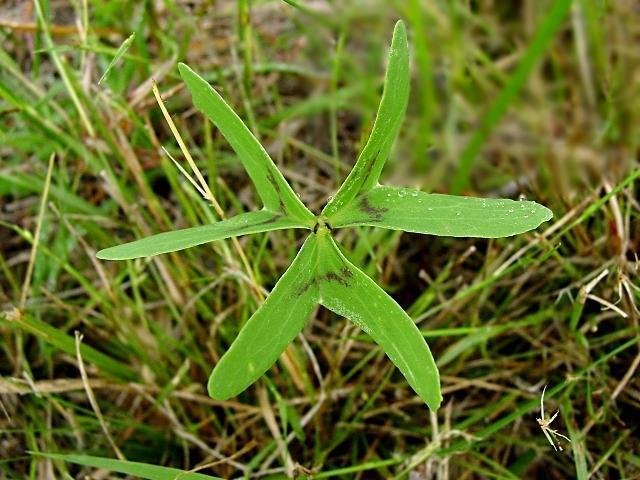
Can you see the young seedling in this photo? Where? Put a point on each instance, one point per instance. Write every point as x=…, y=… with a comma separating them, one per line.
x=320, y=273
x=545, y=425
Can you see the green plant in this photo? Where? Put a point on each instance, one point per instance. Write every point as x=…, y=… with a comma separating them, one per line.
x=320, y=273
x=137, y=469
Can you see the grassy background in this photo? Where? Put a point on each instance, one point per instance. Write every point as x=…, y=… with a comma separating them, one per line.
x=503, y=103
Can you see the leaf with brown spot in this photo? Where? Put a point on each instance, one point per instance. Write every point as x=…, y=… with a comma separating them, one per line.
x=363, y=302
x=366, y=172
x=411, y=210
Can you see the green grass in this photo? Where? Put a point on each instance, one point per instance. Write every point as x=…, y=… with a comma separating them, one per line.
x=506, y=99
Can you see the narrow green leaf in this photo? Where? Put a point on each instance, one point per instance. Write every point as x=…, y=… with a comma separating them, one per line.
x=444, y=215
x=273, y=189
x=359, y=468
x=270, y=329
x=578, y=444
x=65, y=74
x=66, y=343
x=119, y=53
x=347, y=291
x=141, y=470
x=243, y=224
x=368, y=167
x=31, y=183
x=44, y=123
x=551, y=23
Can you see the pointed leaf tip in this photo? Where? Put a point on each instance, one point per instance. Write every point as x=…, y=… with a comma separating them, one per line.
x=183, y=67
x=400, y=30
x=366, y=172
x=274, y=191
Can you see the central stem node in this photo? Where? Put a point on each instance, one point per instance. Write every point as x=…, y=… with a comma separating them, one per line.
x=322, y=225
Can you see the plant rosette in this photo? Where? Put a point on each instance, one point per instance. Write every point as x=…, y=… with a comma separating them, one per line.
x=320, y=272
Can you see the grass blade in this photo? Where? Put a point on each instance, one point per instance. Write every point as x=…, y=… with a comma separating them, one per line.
x=63, y=70
x=368, y=167
x=578, y=445
x=138, y=469
x=243, y=224
x=270, y=329
x=546, y=32
x=445, y=215
x=31, y=183
x=347, y=291
x=66, y=343
x=119, y=53
x=273, y=189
